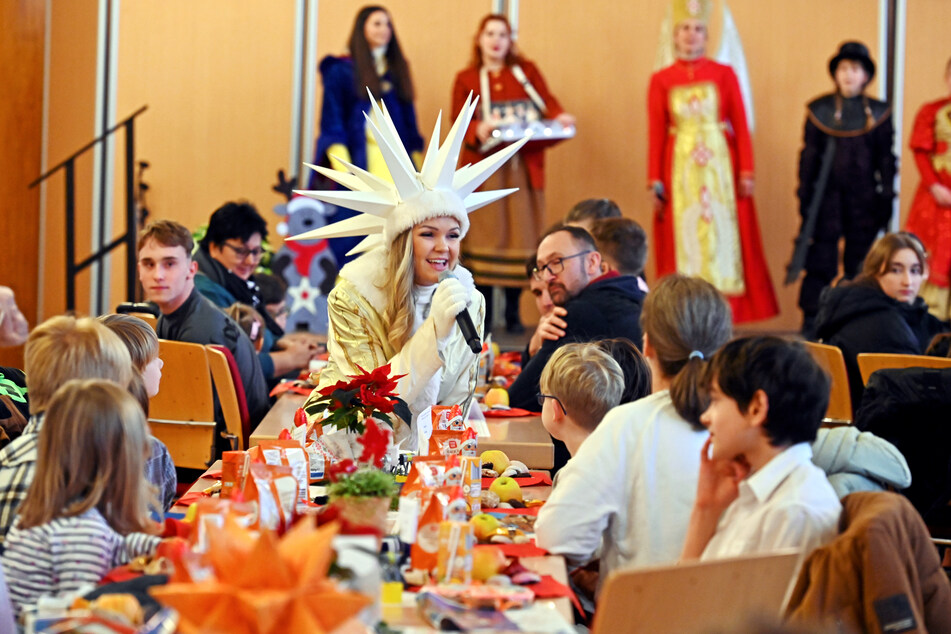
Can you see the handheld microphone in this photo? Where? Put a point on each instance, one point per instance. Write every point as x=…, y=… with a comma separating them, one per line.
x=469, y=332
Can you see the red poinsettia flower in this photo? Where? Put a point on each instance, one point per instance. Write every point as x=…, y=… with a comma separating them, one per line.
x=375, y=441
x=340, y=469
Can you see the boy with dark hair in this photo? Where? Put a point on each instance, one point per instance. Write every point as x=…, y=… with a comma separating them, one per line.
x=622, y=243
x=758, y=490
x=589, y=211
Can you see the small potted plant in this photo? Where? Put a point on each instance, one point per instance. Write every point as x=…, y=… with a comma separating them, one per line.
x=361, y=497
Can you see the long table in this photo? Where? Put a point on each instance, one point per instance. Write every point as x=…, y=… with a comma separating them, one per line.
x=406, y=615
x=521, y=438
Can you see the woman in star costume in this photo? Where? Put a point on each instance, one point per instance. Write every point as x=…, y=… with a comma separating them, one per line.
x=700, y=171
x=375, y=62
x=510, y=88
x=930, y=214
x=397, y=303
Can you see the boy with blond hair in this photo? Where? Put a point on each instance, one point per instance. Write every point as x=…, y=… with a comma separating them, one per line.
x=59, y=349
x=579, y=384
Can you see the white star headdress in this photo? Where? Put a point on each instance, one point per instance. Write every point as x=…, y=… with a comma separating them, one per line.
x=438, y=189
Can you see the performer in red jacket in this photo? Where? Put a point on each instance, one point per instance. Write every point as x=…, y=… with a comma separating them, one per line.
x=930, y=214
x=505, y=234
x=700, y=169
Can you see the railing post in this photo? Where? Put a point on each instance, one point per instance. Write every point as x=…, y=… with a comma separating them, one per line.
x=131, y=221
x=70, y=234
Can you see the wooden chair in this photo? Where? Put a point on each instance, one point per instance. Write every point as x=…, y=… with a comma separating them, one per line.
x=227, y=386
x=182, y=414
x=871, y=361
x=831, y=360
x=148, y=318
x=697, y=596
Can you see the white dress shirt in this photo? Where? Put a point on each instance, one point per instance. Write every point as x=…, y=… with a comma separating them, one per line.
x=788, y=503
x=632, y=482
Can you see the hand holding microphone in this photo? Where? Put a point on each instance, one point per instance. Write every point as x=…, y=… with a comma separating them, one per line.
x=449, y=305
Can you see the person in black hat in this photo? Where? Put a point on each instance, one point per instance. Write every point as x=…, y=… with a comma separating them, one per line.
x=846, y=175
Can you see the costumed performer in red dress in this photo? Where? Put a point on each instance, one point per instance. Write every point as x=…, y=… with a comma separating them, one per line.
x=510, y=88
x=930, y=214
x=700, y=170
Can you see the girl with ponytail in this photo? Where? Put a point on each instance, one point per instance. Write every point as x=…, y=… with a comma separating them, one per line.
x=633, y=481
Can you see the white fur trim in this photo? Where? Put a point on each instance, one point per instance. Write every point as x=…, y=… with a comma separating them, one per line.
x=424, y=206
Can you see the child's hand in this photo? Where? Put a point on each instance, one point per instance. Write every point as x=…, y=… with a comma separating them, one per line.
x=719, y=480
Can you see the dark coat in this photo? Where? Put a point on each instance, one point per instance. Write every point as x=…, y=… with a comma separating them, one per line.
x=859, y=192
x=861, y=318
x=606, y=308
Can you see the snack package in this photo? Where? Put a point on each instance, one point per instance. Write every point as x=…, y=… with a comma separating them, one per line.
x=447, y=417
x=289, y=453
x=456, y=543
x=234, y=468
x=210, y=517
x=425, y=472
x=273, y=489
x=472, y=482
x=446, y=442
x=423, y=553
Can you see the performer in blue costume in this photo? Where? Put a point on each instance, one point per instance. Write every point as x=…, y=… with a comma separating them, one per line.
x=376, y=62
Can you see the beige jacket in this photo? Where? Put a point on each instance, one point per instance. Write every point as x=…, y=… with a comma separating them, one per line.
x=437, y=372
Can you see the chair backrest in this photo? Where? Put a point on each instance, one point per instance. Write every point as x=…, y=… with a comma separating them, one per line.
x=182, y=414
x=696, y=596
x=831, y=360
x=871, y=361
x=148, y=318
x=230, y=390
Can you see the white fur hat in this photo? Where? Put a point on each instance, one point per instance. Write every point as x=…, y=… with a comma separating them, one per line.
x=438, y=189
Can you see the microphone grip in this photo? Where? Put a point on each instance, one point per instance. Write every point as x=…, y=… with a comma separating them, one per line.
x=464, y=321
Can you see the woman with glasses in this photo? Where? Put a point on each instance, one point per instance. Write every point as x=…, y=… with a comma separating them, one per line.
x=633, y=481
x=227, y=257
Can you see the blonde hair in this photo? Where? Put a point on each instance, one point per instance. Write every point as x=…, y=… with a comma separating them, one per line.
x=586, y=380
x=137, y=336
x=91, y=454
x=250, y=320
x=399, y=309
x=686, y=321
x=64, y=348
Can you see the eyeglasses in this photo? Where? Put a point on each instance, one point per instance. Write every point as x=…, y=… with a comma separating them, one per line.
x=541, y=401
x=242, y=252
x=556, y=266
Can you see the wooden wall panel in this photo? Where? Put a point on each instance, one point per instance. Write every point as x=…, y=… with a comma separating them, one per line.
x=926, y=55
x=21, y=58
x=72, y=100
x=216, y=76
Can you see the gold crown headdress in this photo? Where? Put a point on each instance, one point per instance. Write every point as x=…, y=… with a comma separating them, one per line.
x=437, y=189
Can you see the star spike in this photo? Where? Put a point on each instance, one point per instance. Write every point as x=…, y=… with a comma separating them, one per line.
x=428, y=173
x=481, y=199
x=467, y=180
x=368, y=243
x=375, y=203
x=449, y=151
x=354, y=226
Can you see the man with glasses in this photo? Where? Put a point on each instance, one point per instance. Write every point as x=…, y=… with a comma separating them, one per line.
x=227, y=258
x=167, y=273
x=595, y=306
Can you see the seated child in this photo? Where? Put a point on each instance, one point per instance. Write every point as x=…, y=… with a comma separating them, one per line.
x=59, y=349
x=637, y=372
x=143, y=346
x=579, y=384
x=758, y=490
x=250, y=321
x=87, y=509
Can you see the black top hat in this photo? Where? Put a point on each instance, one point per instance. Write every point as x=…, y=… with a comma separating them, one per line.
x=854, y=51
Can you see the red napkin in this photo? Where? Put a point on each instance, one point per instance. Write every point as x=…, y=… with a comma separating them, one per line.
x=549, y=588
x=534, y=478
x=188, y=498
x=522, y=550
x=212, y=473
x=530, y=510
x=512, y=412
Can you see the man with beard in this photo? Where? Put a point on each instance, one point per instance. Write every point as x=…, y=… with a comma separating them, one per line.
x=596, y=307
